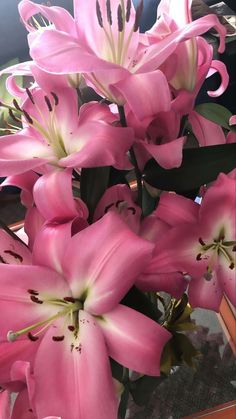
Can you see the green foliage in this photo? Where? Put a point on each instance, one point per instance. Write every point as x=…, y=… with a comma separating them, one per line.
x=199, y=167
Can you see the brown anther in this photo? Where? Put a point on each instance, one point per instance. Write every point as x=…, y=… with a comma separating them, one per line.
x=30, y=96
x=16, y=104
x=132, y=209
x=27, y=117
x=58, y=338
x=138, y=15
x=15, y=255
x=199, y=256
x=3, y=260
x=201, y=241
x=48, y=103
x=32, y=337
x=108, y=207
x=33, y=292
x=12, y=115
x=128, y=10
x=71, y=328
x=234, y=249
x=69, y=299
x=36, y=299
x=109, y=14
x=120, y=19
x=232, y=265
x=119, y=202
x=55, y=97
x=99, y=14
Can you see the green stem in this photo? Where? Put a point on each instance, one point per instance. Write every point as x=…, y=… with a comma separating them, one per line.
x=138, y=174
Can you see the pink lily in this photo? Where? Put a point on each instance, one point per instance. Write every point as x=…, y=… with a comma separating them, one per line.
x=109, y=49
x=161, y=141
x=202, y=244
x=119, y=199
x=76, y=318
x=13, y=251
x=53, y=134
x=4, y=404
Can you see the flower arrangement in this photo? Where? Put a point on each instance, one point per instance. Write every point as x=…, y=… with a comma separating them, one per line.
x=130, y=196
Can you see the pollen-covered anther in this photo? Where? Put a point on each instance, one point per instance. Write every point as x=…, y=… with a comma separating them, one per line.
x=11, y=336
x=109, y=14
x=128, y=10
x=17, y=106
x=30, y=96
x=28, y=117
x=69, y=299
x=32, y=337
x=201, y=241
x=120, y=19
x=48, y=103
x=55, y=97
x=232, y=265
x=33, y=292
x=58, y=338
x=36, y=299
x=138, y=15
x=99, y=14
x=71, y=328
x=12, y=115
x=199, y=256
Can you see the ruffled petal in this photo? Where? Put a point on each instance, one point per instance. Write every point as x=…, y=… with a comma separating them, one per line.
x=25, y=182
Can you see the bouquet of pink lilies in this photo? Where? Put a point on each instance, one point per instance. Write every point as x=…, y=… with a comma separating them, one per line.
x=130, y=196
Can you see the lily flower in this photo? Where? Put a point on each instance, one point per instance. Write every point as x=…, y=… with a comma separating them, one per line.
x=54, y=136
x=68, y=323
x=108, y=49
x=202, y=242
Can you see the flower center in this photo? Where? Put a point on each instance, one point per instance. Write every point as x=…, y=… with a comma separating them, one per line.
x=67, y=308
x=48, y=127
x=219, y=247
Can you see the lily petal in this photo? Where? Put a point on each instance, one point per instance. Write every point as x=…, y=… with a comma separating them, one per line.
x=138, y=348
x=86, y=390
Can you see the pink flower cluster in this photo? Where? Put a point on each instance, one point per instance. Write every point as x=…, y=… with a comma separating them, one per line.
x=62, y=284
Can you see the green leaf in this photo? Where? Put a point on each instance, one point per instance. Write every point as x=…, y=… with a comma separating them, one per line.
x=215, y=113
x=142, y=389
x=138, y=301
x=117, y=370
x=93, y=185
x=199, y=166
x=123, y=403
x=148, y=202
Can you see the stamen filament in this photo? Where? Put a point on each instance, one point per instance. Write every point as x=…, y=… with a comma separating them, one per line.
x=73, y=307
